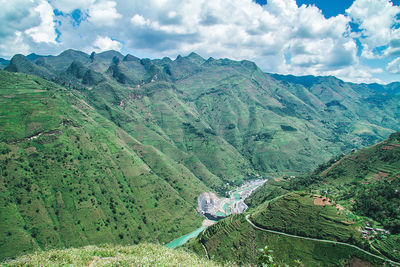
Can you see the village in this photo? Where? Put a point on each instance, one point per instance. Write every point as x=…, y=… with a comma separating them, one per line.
x=214, y=208
x=370, y=233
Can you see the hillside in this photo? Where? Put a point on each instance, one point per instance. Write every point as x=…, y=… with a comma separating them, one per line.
x=343, y=175
x=106, y=255
x=367, y=182
x=107, y=148
x=300, y=214
x=3, y=63
x=225, y=119
x=70, y=177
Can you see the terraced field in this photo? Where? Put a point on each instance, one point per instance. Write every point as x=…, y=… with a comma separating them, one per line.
x=235, y=239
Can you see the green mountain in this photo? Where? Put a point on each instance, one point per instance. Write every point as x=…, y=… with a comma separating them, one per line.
x=4, y=63
x=70, y=177
x=350, y=199
x=367, y=182
x=107, y=148
x=227, y=115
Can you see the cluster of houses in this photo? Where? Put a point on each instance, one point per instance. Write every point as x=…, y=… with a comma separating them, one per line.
x=371, y=232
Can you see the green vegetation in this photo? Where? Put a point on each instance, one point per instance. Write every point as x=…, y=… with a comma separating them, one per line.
x=106, y=255
x=235, y=240
x=70, y=177
x=381, y=202
x=307, y=215
x=223, y=119
x=366, y=182
x=117, y=149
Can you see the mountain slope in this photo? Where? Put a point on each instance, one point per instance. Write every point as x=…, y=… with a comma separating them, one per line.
x=138, y=255
x=4, y=63
x=352, y=198
x=235, y=239
x=129, y=141
x=267, y=123
x=367, y=182
x=70, y=177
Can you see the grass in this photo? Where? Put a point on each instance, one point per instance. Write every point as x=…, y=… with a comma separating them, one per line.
x=84, y=180
x=296, y=214
x=106, y=255
x=123, y=156
x=235, y=240
x=364, y=182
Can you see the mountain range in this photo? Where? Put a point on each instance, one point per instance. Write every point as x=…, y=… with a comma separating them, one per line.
x=113, y=148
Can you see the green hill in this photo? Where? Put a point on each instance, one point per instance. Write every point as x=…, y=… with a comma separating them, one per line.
x=227, y=117
x=3, y=63
x=367, y=182
x=108, y=148
x=70, y=177
x=106, y=255
x=300, y=214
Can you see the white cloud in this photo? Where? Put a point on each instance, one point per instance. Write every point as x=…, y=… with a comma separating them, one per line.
x=139, y=20
x=105, y=43
x=104, y=13
x=14, y=44
x=67, y=6
x=45, y=32
x=280, y=36
x=18, y=15
x=376, y=19
x=394, y=66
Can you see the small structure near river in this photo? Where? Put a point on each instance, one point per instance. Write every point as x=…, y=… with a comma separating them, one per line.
x=212, y=207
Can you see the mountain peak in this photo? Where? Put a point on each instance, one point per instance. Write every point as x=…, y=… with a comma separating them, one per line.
x=129, y=57
x=33, y=56
x=93, y=56
x=4, y=62
x=73, y=53
x=19, y=63
x=196, y=58
x=109, y=55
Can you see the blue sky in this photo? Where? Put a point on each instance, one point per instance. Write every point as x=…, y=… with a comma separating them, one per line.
x=357, y=41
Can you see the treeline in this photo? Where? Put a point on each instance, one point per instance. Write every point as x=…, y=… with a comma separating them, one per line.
x=381, y=202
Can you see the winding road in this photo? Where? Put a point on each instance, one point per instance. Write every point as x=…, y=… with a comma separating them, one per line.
x=321, y=240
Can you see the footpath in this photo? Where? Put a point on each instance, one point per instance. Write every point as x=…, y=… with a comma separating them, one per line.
x=321, y=240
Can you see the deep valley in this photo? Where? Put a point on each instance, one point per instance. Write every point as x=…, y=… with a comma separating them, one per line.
x=113, y=149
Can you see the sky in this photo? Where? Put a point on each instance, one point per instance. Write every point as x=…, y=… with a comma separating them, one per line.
x=357, y=41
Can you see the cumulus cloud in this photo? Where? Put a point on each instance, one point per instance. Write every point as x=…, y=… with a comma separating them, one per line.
x=14, y=44
x=377, y=21
x=18, y=15
x=104, y=13
x=279, y=36
x=45, y=32
x=105, y=43
x=140, y=21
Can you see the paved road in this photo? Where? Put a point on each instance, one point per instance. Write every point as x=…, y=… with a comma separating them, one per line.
x=321, y=240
